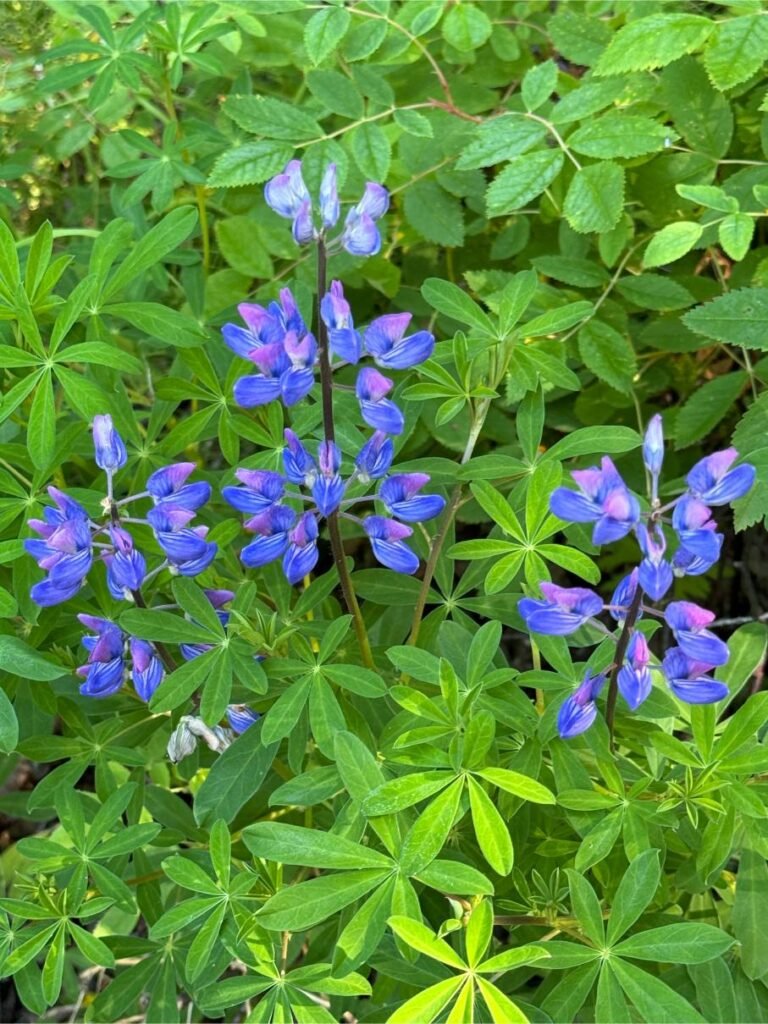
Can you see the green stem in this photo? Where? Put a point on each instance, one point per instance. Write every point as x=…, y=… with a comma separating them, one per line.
x=536, y=659
x=326, y=387
x=204, y=232
x=448, y=516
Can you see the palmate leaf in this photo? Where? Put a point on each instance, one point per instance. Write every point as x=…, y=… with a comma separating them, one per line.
x=297, y=907
x=289, y=844
x=687, y=942
x=491, y=831
x=654, y=999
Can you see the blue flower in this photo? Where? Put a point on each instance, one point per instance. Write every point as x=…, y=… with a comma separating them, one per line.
x=105, y=668
x=126, y=567
x=375, y=458
x=653, y=451
x=579, y=711
x=563, y=610
x=328, y=487
x=168, y=487
x=376, y=409
x=263, y=489
x=329, y=198
x=303, y=228
x=713, y=481
x=302, y=554
x=110, y=451
x=187, y=550
x=655, y=573
x=361, y=236
x=287, y=373
x=264, y=327
x=604, y=500
x=300, y=467
x=241, y=717
x=344, y=340
x=387, y=538
x=65, y=551
x=700, y=543
x=271, y=529
x=688, y=622
x=402, y=500
x=634, y=676
x=384, y=339
x=624, y=595
x=288, y=196
x=689, y=679
x=146, y=668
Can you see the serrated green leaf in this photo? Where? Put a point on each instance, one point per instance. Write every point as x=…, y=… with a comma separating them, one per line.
x=672, y=242
x=707, y=407
x=499, y=139
x=522, y=180
x=538, y=84
x=608, y=354
x=595, y=198
x=436, y=216
x=618, y=134
x=372, y=151
x=414, y=123
x=653, y=42
x=249, y=164
x=739, y=318
x=736, y=50
x=324, y=31
x=272, y=118
x=466, y=27
x=735, y=234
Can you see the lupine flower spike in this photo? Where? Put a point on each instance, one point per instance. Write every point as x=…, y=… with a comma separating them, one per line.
x=69, y=538
x=603, y=498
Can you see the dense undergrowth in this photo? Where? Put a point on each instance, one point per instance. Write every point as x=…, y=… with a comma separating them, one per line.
x=321, y=765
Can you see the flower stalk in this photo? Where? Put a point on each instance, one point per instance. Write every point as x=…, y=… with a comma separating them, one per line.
x=326, y=391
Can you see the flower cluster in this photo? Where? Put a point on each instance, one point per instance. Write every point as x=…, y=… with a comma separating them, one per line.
x=282, y=532
x=108, y=651
x=114, y=656
x=278, y=341
x=288, y=195
x=604, y=499
x=69, y=537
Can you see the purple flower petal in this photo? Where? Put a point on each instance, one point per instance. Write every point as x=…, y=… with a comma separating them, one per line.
x=303, y=229
x=256, y=390
x=653, y=445
x=375, y=200
x=166, y=481
x=110, y=452
x=387, y=539
x=296, y=384
x=263, y=550
x=572, y=507
x=286, y=192
x=361, y=236
x=329, y=197
x=241, y=717
x=375, y=458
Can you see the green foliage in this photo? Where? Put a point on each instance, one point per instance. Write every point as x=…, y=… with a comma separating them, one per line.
x=578, y=200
